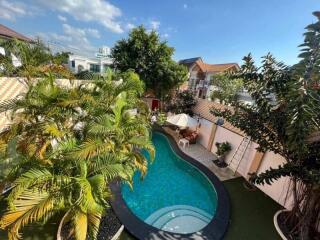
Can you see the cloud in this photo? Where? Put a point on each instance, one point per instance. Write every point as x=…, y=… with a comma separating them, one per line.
x=10, y=10
x=99, y=11
x=130, y=26
x=165, y=35
x=73, y=39
x=60, y=38
x=155, y=25
x=185, y=6
x=79, y=37
x=62, y=18
x=93, y=32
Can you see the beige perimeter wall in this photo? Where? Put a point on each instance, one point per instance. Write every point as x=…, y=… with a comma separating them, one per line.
x=278, y=190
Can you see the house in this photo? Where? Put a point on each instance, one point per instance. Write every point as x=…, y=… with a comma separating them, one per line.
x=7, y=33
x=201, y=73
x=97, y=64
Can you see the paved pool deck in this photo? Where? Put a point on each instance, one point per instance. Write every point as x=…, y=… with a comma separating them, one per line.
x=201, y=154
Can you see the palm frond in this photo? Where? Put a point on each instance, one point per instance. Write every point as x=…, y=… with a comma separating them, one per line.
x=144, y=142
x=102, y=125
x=94, y=147
x=7, y=105
x=141, y=163
x=94, y=224
x=53, y=130
x=31, y=206
x=29, y=178
x=80, y=223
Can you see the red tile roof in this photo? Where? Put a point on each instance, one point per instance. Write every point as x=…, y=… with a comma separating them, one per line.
x=9, y=33
x=216, y=67
x=205, y=67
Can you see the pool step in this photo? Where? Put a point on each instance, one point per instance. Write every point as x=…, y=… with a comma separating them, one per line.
x=179, y=218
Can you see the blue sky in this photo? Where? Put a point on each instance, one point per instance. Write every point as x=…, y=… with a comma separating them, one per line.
x=218, y=31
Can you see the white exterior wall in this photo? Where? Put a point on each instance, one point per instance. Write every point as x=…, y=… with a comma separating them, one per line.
x=15, y=61
x=204, y=132
x=208, y=77
x=192, y=79
x=78, y=62
x=85, y=63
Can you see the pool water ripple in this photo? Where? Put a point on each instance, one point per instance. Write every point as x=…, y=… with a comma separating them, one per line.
x=170, y=182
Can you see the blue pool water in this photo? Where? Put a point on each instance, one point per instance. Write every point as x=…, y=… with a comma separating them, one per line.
x=174, y=195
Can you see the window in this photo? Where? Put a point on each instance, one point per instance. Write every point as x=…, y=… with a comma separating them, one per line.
x=73, y=63
x=80, y=68
x=94, y=68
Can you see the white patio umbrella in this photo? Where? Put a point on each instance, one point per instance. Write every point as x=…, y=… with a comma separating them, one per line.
x=182, y=120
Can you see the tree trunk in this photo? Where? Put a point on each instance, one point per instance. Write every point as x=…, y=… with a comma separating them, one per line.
x=306, y=211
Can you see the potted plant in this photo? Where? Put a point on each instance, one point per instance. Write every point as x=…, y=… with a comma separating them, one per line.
x=223, y=149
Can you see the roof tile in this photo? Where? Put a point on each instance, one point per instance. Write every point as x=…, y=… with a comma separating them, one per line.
x=9, y=33
x=216, y=67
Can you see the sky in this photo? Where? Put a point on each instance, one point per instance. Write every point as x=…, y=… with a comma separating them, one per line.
x=218, y=31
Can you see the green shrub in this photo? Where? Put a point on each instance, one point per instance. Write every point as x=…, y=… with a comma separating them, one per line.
x=162, y=118
x=223, y=148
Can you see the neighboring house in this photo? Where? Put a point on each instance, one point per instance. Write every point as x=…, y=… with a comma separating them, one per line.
x=201, y=73
x=97, y=64
x=7, y=33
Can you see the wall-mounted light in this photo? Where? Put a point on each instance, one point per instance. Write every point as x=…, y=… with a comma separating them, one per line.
x=219, y=122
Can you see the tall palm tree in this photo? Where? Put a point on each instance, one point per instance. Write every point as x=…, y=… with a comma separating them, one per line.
x=70, y=143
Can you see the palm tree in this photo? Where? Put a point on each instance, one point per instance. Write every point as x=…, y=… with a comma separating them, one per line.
x=35, y=60
x=70, y=143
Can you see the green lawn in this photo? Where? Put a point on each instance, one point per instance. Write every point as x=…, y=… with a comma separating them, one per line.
x=251, y=213
x=251, y=217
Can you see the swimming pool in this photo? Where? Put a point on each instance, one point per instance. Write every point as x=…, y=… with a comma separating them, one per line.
x=174, y=196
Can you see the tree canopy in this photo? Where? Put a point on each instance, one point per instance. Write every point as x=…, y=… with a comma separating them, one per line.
x=226, y=88
x=286, y=125
x=69, y=143
x=182, y=102
x=151, y=58
x=35, y=60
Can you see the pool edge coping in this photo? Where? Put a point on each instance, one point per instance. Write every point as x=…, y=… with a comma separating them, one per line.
x=216, y=228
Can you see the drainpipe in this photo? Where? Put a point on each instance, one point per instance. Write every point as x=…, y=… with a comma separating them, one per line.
x=255, y=164
x=214, y=128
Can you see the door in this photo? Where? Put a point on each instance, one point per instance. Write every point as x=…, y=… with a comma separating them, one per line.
x=155, y=104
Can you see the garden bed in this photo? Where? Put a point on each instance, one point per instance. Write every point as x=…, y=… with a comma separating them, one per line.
x=110, y=228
